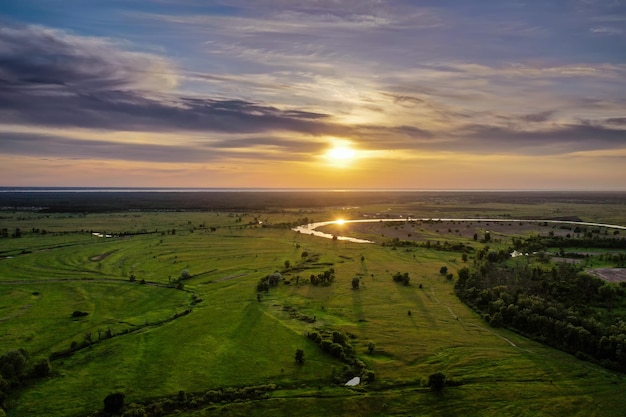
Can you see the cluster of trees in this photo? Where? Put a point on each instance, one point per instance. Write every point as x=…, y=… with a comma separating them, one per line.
x=337, y=344
x=538, y=243
x=323, y=279
x=437, y=245
x=268, y=281
x=4, y=232
x=404, y=278
x=558, y=305
x=16, y=369
x=115, y=403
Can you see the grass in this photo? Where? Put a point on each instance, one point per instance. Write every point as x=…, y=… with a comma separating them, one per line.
x=231, y=339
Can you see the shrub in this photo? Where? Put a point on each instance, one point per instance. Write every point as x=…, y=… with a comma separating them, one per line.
x=42, y=368
x=300, y=356
x=114, y=402
x=437, y=381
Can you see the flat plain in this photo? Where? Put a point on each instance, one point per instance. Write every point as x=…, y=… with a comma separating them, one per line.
x=172, y=305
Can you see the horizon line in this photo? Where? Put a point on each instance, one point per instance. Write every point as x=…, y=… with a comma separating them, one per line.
x=281, y=189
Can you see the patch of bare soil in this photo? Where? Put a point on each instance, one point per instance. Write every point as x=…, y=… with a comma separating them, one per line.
x=102, y=256
x=610, y=274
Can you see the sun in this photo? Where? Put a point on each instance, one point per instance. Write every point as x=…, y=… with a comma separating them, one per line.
x=341, y=154
x=340, y=221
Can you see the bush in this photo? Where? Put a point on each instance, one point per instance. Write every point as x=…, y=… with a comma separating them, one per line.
x=437, y=381
x=300, y=356
x=114, y=402
x=42, y=368
x=369, y=376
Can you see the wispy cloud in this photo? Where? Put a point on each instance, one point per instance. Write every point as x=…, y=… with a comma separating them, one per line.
x=279, y=80
x=55, y=79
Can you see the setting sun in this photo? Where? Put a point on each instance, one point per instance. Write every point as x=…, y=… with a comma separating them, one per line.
x=341, y=154
x=340, y=221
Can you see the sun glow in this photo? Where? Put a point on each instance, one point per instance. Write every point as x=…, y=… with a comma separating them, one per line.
x=341, y=154
x=340, y=221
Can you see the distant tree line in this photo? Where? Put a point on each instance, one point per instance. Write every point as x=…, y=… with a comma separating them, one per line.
x=556, y=304
x=539, y=243
x=436, y=245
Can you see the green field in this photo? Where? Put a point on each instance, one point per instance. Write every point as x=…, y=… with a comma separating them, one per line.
x=210, y=331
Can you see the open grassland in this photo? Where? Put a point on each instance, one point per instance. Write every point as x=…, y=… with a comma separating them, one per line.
x=165, y=340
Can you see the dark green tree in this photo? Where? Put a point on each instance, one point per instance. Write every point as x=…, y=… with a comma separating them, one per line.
x=299, y=356
x=42, y=368
x=114, y=402
x=355, y=283
x=437, y=381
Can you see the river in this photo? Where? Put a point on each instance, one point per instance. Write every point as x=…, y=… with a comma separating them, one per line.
x=310, y=229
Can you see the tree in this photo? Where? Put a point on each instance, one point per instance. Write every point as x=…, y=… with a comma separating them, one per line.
x=299, y=356
x=437, y=381
x=42, y=368
x=13, y=365
x=114, y=403
x=184, y=274
x=402, y=277
x=443, y=270
x=370, y=347
x=287, y=264
x=355, y=283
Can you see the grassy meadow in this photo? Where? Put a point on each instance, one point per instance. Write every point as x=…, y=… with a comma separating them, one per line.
x=152, y=335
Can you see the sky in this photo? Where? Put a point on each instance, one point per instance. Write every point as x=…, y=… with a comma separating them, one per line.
x=439, y=94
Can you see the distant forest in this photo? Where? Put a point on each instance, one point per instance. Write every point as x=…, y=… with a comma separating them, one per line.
x=556, y=304
x=93, y=201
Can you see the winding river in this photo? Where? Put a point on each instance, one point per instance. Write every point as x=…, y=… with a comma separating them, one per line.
x=310, y=229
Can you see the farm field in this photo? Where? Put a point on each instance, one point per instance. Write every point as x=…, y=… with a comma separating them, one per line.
x=170, y=312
